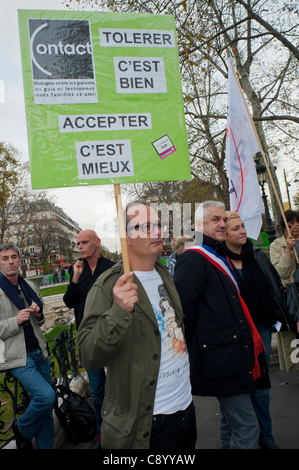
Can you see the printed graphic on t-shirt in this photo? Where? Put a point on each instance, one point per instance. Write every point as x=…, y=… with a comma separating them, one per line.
x=171, y=335
x=173, y=391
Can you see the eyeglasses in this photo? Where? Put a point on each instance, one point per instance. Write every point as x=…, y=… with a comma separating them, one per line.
x=293, y=224
x=147, y=228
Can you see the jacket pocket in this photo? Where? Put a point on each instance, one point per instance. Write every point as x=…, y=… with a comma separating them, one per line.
x=220, y=354
x=116, y=427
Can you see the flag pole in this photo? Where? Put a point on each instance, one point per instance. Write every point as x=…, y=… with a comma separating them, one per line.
x=264, y=158
x=122, y=229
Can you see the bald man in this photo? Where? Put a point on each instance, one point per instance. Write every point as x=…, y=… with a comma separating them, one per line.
x=83, y=274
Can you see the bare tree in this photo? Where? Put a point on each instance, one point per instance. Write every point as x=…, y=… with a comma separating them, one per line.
x=280, y=35
x=261, y=37
x=47, y=234
x=17, y=203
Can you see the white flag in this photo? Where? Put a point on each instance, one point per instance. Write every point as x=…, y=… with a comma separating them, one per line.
x=241, y=146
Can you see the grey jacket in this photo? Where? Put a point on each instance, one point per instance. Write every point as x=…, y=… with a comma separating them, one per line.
x=12, y=337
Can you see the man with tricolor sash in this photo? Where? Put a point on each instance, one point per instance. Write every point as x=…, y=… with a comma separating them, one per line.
x=222, y=340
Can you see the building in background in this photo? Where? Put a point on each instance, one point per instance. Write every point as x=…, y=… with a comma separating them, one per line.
x=47, y=237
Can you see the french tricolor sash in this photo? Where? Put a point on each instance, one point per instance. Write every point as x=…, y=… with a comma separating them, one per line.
x=225, y=267
x=218, y=261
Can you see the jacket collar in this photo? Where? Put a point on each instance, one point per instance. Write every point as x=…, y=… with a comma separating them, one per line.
x=201, y=239
x=281, y=241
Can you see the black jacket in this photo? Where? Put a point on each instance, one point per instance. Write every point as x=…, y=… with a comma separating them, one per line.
x=277, y=289
x=217, y=332
x=76, y=294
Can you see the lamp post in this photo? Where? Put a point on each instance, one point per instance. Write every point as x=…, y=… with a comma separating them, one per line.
x=261, y=175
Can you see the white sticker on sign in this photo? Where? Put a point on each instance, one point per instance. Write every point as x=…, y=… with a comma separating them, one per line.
x=164, y=146
x=140, y=75
x=104, y=159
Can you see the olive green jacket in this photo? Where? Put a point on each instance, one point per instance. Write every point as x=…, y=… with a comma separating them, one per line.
x=12, y=337
x=129, y=344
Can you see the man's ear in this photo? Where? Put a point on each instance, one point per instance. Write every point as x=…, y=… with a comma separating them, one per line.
x=199, y=226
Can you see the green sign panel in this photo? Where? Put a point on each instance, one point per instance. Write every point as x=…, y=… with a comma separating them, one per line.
x=103, y=98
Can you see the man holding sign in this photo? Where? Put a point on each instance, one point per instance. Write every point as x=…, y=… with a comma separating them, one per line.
x=136, y=329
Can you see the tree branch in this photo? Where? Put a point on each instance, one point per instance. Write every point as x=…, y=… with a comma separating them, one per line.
x=258, y=119
x=271, y=30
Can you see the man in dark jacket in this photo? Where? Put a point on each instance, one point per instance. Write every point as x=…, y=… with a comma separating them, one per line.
x=222, y=343
x=85, y=272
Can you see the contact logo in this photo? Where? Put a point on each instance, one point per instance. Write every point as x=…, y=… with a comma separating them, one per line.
x=61, y=49
x=62, y=61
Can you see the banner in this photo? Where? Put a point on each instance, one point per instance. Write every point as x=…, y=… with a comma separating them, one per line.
x=241, y=146
x=103, y=98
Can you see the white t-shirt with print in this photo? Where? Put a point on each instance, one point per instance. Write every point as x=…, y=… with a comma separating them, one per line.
x=173, y=392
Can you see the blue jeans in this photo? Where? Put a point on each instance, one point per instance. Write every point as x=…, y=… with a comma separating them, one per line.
x=239, y=428
x=176, y=431
x=261, y=398
x=97, y=381
x=37, y=421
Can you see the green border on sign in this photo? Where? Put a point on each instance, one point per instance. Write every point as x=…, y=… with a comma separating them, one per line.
x=53, y=158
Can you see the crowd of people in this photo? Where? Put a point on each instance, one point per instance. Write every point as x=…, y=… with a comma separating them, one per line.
x=58, y=275
x=203, y=327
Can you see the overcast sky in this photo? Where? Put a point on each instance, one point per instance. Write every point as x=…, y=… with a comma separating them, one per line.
x=84, y=205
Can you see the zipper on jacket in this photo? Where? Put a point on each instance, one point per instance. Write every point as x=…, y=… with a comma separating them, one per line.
x=44, y=357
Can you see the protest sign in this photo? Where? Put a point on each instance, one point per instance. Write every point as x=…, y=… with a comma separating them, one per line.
x=103, y=98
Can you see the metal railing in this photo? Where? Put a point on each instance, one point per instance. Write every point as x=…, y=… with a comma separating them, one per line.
x=15, y=399
x=64, y=351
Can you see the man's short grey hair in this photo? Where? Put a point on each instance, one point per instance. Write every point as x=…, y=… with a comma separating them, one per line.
x=10, y=246
x=202, y=210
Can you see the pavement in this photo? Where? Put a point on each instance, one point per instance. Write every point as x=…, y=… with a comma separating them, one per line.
x=284, y=408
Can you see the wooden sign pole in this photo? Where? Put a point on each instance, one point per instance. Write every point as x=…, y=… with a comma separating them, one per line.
x=122, y=229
